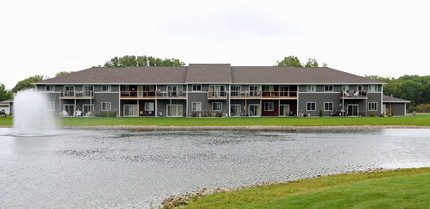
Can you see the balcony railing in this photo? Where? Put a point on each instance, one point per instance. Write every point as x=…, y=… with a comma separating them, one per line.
x=171, y=94
x=137, y=94
x=353, y=95
x=217, y=95
x=152, y=94
x=263, y=94
x=76, y=94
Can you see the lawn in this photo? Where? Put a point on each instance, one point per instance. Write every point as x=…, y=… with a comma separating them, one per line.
x=419, y=120
x=408, y=188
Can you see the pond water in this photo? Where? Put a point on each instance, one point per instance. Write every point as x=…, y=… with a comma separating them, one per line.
x=122, y=168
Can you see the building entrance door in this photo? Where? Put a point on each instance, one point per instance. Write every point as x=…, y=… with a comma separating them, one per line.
x=352, y=110
x=285, y=109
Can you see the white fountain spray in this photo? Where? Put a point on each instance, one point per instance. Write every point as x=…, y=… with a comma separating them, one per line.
x=31, y=115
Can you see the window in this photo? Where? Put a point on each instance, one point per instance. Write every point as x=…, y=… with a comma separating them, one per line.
x=217, y=106
x=311, y=88
x=328, y=106
x=254, y=91
x=310, y=106
x=268, y=88
x=217, y=91
x=235, y=110
x=197, y=87
x=373, y=106
x=235, y=91
x=148, y=88
x=345, y=87
x=87, y=91
x=130, y=110
x=269, y=106
x=373, y=88
x=360, y=88
x=68, y=91
x=106, y=88
x=51, y=106
x=106, y=106
x=328, y=88
x=50, y=88
x=149, y=106
x=196, y=106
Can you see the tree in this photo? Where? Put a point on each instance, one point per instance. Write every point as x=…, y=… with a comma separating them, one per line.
x=311, y=63
x=5, y=94
x=412, y=90
x=293, y=61
x=63, y=73
x=27, y=83
x=142, y=61
x=290, y=61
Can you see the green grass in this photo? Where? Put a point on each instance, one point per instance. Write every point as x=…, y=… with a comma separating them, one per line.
x=408, y=188
x=420, y=120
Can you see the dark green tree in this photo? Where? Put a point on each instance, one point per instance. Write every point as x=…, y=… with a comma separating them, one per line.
x=27, y=83
x=311, y=63
x=412, y=90
x=141, y=61
x=5, y=94
x=290, y=61
x=63, y=73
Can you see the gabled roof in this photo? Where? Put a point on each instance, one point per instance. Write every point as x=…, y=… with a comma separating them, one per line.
x=295, y=75
x=388, y=99
x=131, y=75
x=209, y=73
x=6, y=101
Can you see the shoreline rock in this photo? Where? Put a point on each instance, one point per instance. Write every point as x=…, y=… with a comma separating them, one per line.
x=256, y=128
x=175, y=201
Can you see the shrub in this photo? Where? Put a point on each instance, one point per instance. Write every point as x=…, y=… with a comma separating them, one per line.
x=372, y=114
x=381, y=115
x=413, y=108
x=108, y=114
x=321, y=113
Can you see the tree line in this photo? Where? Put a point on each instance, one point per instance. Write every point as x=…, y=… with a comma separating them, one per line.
x=414, y=88
x=410, y=87
x=141, y=61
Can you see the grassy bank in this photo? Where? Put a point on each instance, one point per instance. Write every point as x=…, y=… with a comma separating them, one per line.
x=419, y=120
x=408, y=188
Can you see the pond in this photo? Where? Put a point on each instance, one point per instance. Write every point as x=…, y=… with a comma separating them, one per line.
x=123, y=168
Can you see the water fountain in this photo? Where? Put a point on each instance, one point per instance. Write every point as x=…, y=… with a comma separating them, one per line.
x=31, y=115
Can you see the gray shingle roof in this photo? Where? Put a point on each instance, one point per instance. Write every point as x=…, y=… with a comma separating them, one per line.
x=296, y=75
x=130, y=75
x=209, y=73
x=394, y=100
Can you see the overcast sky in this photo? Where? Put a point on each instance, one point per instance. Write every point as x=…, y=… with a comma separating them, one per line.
x=367, y=37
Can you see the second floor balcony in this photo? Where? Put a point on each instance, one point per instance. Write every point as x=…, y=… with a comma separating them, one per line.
x=76, y=94
x=153, y=95
x=217, y=95
x=264, y=94
x=353, y=95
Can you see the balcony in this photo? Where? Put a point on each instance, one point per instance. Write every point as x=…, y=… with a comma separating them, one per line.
x=76, y=95
x=217, y=95
x=170, y=95
x=264, y=94
x=353, y=95
x=153, y=95
x=137, y=94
